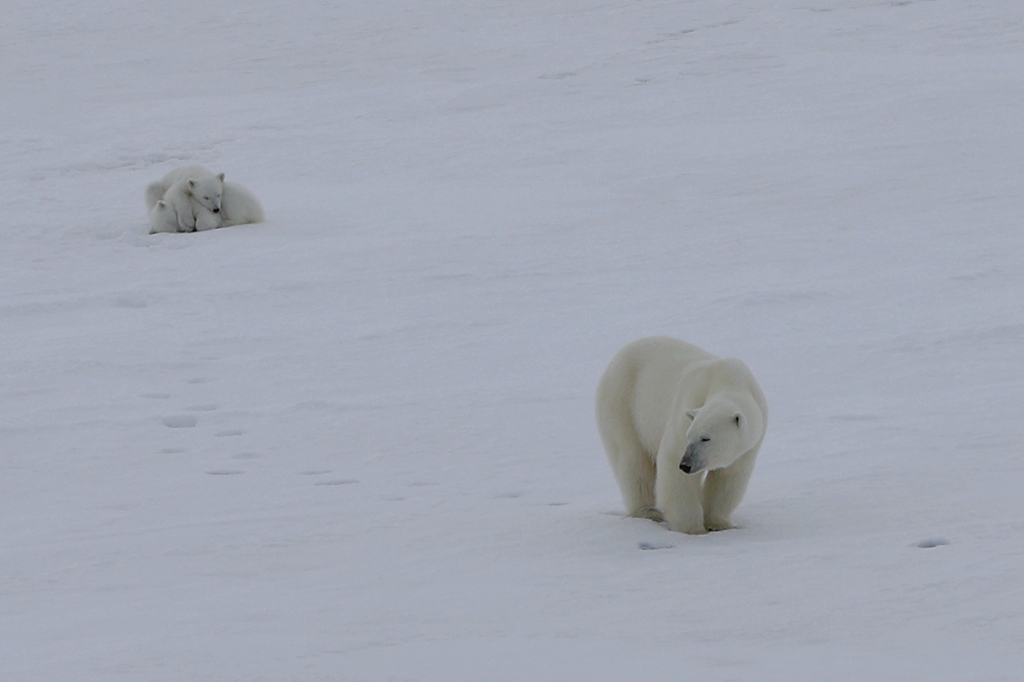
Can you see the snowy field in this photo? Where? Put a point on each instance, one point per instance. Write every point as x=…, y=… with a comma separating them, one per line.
x=357, y=443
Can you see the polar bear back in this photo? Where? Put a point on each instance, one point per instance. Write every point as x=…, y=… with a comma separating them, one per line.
x=185, y=173
x=155, y=191
x=239, y=206
x=652, y=381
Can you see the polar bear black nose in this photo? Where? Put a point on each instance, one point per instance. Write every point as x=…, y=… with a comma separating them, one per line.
x=685, y=467
x=216, y=210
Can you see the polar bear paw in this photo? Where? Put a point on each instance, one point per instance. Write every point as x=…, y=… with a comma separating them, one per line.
x=648, y=513
x=718, y=524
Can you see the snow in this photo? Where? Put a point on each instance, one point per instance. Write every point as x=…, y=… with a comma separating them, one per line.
x=356, y=442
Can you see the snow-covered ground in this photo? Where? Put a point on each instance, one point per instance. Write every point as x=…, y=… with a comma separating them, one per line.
x=356, y=442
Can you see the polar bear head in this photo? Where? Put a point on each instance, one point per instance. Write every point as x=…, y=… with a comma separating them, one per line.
x=163, y=218
x=720, y=432
x=208, y=191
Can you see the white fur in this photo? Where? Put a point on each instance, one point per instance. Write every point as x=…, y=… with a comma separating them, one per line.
x=663, y=404
x=199, y=187
x=163, y=218
x=202, y=201
x=192, y=214
x=239, y=206
x=156, y=190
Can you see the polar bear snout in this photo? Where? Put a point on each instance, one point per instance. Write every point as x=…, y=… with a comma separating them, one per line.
x=691, y=462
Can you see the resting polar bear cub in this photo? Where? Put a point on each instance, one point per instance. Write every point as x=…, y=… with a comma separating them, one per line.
x=682, y=428
x=163, y=218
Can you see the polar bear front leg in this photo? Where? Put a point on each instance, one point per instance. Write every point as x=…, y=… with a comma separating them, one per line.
x=186, y=221
x=678, y=495
x=723, y=490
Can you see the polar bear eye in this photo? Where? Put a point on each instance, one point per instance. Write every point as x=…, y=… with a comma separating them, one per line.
x=704, y=439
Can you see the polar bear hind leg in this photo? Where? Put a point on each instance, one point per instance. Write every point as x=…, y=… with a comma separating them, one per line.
x=635, y=473
x=634, y=470
x=633, y=467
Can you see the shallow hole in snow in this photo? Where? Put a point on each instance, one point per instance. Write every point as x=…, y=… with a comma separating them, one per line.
x=928, y=543
x=654, y=545
x=225, y=472
x=337, y=481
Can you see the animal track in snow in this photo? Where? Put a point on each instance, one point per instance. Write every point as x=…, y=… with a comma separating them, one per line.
x=225, y=472
x=337, y=481
x=180, y=421
x=928, y=543
x=654, y=545
x=229, y=432
x=203, y=408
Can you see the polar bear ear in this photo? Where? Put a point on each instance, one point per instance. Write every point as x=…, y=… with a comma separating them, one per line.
x=738, y=418
x=221, y=176
x=162, y=203
x=692, y=414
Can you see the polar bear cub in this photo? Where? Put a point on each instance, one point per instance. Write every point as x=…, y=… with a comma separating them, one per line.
x=682, y=429
x=163, y=218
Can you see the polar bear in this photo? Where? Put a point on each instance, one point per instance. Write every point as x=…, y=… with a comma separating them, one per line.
x=163, y=218
x=239, y=206
x=203, y=201
x=682, y=429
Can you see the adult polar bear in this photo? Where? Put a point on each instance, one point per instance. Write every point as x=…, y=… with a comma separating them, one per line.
x=682, y=428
